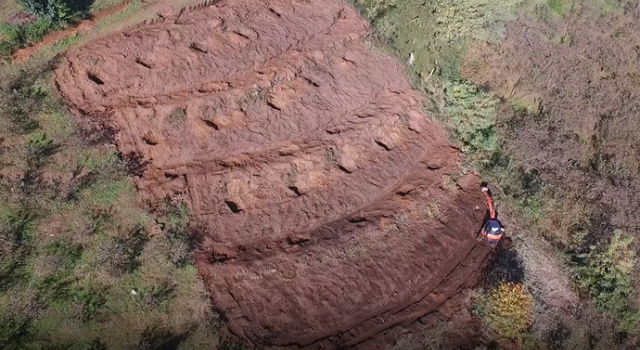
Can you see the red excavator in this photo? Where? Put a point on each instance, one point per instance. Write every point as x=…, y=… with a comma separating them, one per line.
x=492, y=230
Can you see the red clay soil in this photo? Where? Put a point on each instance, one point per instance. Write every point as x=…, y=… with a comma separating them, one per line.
x=332, y=220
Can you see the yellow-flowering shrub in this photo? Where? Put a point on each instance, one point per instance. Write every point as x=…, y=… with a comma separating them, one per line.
x=508, y=310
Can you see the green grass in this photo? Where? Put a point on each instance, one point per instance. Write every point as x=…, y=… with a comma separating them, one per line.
x=134, y=6
x=100, y=5
x=608, y=6
x=557, y=7
x=77, y=242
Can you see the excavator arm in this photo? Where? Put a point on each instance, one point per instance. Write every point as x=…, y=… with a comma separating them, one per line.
x=492, y=210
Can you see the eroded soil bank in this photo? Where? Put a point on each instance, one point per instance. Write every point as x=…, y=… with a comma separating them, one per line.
x=334, y=208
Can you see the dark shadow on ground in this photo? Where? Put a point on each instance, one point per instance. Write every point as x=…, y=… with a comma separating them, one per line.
x=80, y=5
x=505, y=266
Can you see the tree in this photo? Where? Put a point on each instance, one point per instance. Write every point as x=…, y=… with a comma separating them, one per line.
x=51, y=10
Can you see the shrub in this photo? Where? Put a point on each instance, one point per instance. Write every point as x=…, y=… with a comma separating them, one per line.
x=556, y=6
x=607, y=275
x=177, y=116
x=507, y=310
x=51, y=15
x=39, y=147
x=17, y=228
x=374, y=9
x=51, y=10
x=91, y=301
x=13, y=37
x=174, y=220
x=132, y=248
x=473, y=115
x=38, y=29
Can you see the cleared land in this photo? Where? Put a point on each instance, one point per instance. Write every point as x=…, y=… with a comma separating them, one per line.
x=306, y=155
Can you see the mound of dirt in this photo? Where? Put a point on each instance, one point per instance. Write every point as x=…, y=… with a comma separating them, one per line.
x=331, y=211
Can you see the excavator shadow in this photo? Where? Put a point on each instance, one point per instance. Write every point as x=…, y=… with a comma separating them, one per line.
x=504, y=266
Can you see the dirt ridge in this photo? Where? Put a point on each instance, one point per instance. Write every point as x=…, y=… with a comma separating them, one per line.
x=176, y=17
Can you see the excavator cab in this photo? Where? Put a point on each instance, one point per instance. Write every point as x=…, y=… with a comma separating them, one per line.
x=493, y=230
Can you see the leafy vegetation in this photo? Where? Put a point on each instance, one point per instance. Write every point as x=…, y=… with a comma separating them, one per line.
x=374, y=9
x=50, y=10
x=50, y=15
x=16, y=36
x=473, y=115
x=507, y=310
x=607, y=275
x=557, y=6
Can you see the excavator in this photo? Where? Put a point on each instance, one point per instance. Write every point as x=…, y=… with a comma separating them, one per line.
x=492, y=230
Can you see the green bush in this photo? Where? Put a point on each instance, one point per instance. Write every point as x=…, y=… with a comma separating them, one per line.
x=174, y=220
x=51, y=14
x=607, y=275
x=473, y=115
x=91, y=301
x=39, y=148
x=13, y=37
x=556, y=6
x=375, y=8
x=35, y=31
x=51, y=10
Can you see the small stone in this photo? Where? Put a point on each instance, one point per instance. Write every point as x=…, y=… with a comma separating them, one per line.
x=348, y=157
x=415, y=119
x=151, y=138
x=347, y=164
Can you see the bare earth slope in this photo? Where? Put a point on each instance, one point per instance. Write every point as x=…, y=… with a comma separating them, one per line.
x=331, y=217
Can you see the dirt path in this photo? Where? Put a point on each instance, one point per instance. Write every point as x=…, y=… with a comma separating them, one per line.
x=83, y=27
x=331, y=215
